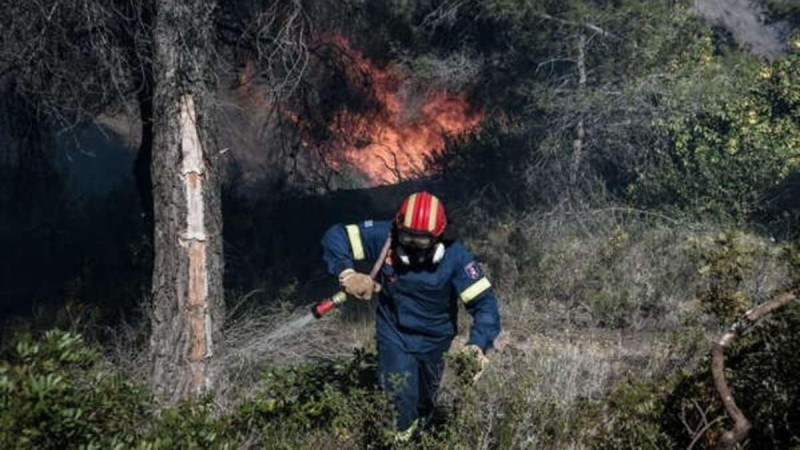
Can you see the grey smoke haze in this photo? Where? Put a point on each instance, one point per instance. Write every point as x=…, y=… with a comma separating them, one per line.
x=745, y=20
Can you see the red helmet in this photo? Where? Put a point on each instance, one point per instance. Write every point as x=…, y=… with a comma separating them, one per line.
x=421, y=213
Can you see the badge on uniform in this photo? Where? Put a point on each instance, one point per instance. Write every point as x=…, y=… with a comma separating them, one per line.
x=473, y=270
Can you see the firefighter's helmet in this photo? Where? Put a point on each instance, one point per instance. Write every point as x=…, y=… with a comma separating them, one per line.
x=421, y=213
x=419, y=225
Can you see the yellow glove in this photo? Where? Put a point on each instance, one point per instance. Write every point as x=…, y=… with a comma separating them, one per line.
x=359, y=285
x=475, y=352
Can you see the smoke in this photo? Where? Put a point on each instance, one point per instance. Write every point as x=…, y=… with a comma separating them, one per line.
x=745, y=21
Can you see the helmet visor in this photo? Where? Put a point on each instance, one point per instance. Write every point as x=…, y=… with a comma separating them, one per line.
x=412, y=240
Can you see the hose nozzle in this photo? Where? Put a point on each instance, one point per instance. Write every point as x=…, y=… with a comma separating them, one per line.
x=329, y=304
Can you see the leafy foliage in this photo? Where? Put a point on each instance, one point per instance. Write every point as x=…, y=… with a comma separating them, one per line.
x=341, y=399
x=723, y=159
x=784, y=10
x=54, y=394
x=464, y=367
x=635, y=410
x=726, y=261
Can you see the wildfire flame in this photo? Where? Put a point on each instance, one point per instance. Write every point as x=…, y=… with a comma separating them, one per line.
x=395, y=143
x=391, y=141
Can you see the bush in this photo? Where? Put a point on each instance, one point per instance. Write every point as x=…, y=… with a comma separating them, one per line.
x=54, y=393
x=615, y=267
x=737, y=269
x=340, y=400
x=726, y=259
x=684, y=409
x=725, y=158
x=634, y=411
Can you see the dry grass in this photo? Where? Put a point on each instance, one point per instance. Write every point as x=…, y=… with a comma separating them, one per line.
x=614, y=268
x=266, y=338
x=587, y=299
x=536, y=392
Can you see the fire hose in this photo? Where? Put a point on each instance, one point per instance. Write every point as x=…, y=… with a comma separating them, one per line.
x=338, y=299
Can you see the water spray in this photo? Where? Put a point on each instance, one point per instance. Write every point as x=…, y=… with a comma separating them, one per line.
x=317, y=311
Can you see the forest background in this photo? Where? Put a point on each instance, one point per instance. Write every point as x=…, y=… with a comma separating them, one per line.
x=626, y=172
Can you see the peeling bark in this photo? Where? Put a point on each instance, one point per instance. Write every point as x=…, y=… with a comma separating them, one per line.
x=741, y=425
x=194, y=238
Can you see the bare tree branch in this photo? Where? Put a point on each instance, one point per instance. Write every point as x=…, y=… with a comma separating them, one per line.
x=588, y=25
x=741, y=425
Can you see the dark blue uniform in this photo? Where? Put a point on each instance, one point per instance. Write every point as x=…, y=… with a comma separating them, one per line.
x=417, y=311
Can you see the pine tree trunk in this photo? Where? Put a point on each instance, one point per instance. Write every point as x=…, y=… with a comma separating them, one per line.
x=188, y=307
x=580, y=132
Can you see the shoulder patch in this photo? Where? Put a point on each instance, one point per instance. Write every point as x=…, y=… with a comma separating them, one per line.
x=473, y=270
x=368, y=223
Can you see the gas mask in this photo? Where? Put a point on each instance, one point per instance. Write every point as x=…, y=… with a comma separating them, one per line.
x=417, y=249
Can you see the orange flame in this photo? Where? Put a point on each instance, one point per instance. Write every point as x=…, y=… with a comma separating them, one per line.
x=396, y=143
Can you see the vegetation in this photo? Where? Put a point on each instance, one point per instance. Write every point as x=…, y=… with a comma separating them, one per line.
x=631, y=189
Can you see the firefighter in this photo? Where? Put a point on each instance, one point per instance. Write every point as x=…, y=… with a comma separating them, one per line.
x=418, y=286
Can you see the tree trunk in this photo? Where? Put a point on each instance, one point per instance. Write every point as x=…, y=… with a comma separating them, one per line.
x=580, y=133
x=188, y=307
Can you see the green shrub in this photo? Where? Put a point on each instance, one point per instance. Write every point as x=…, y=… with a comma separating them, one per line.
x=633, y=417
x=188, y=425
x=463, y=367
x=726, y=260
x=54, y=393
x=764, y=366
x=723, y=159
x=340, y=399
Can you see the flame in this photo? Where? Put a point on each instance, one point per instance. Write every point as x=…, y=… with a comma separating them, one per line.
x=395, y=143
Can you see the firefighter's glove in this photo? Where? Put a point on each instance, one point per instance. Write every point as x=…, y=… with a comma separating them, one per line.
x=475, y=352
x=359, y=285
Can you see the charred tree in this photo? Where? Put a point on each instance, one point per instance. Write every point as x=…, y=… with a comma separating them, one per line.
x=187, y=275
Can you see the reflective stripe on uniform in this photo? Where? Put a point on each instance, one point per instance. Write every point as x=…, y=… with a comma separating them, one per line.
x=475, y=289
x=355, y=241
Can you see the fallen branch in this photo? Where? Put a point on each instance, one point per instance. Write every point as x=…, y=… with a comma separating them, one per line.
x=741, y=425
